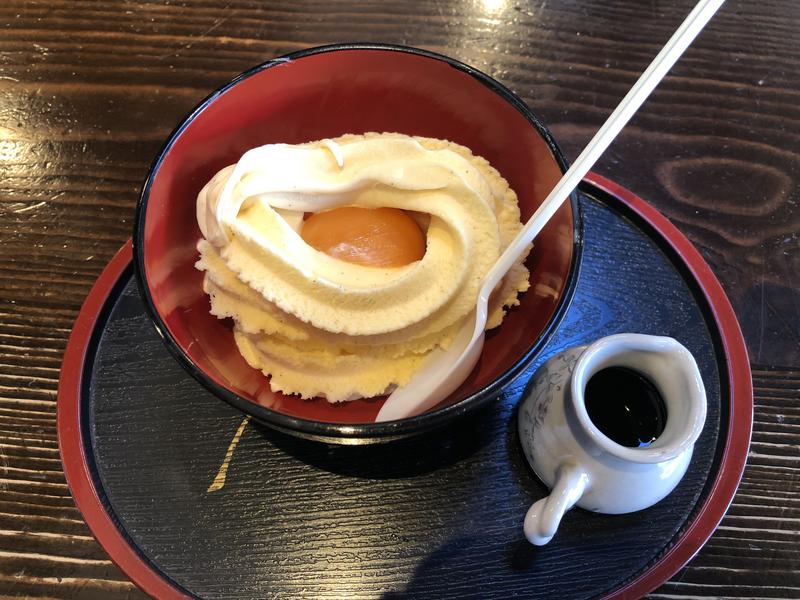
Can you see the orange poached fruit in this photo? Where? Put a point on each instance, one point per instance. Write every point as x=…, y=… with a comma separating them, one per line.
x=373, y=237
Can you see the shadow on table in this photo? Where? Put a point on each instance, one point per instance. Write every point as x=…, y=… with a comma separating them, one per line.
x=410, y=457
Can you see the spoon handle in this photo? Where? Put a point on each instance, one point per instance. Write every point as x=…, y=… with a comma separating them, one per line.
x=634, y=99
x=444, y=371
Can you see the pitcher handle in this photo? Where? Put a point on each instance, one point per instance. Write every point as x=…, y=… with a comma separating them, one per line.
x=542, y=519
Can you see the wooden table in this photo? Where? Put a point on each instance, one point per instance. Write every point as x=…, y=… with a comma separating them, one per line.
x=89, y=91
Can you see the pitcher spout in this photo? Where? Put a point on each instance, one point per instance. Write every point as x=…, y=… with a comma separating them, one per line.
x=671, y=369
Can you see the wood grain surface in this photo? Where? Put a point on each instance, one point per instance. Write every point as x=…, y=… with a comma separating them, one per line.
x=90, y=89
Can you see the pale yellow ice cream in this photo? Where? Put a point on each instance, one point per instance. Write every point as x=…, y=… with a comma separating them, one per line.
x=320, y=326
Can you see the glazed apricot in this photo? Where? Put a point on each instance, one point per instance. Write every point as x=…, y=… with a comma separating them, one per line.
x=375, y=237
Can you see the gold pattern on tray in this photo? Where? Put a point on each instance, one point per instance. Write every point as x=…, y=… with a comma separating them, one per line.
x=219, y=480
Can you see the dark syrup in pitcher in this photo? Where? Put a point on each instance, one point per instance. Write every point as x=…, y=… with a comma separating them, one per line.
x=625, y=406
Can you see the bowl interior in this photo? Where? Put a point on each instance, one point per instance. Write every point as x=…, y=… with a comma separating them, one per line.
x=327, y=94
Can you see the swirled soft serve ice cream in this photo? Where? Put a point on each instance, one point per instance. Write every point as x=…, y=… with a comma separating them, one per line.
x=337, y=319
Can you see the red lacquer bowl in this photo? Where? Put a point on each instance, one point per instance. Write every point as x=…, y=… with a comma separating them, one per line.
x=326, y=92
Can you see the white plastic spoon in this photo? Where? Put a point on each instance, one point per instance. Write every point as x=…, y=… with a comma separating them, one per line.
x=444, y=371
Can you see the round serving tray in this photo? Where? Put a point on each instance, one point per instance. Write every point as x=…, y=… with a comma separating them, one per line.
x=145, y=449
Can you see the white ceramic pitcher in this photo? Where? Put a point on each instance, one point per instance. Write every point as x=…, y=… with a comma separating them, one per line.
x=580, y=464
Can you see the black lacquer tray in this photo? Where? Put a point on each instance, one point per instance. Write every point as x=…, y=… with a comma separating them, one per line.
x=144, y=448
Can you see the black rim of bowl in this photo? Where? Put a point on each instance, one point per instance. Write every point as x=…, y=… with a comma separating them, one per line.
x=341, y=432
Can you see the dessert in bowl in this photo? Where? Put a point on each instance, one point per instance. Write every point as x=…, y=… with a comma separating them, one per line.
x=324, y=94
